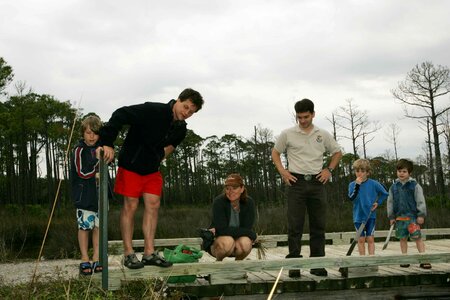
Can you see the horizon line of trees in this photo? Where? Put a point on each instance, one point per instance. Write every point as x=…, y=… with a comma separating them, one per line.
x=35, y=131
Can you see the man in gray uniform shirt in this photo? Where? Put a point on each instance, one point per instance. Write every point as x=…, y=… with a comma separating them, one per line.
x=305, y=146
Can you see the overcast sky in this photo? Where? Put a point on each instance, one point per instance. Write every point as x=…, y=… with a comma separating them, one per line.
x=251, y=60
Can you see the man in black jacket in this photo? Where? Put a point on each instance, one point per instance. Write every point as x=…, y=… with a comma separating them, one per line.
x=155, y=130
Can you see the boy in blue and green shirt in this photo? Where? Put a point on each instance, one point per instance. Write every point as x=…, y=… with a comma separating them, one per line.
x=406, y=208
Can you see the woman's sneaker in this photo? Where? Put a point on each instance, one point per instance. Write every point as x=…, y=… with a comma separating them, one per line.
x=132, y=262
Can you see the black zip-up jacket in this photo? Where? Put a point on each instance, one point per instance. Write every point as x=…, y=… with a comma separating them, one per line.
x=82, y=177
x=151, y=129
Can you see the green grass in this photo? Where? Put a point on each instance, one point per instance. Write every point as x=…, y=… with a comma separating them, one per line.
x=22, y=230
x=86, y=289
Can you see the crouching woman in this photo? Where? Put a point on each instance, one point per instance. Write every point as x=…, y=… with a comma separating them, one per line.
x=233, y=216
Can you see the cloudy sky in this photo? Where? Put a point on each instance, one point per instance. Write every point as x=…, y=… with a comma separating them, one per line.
x=251, y=60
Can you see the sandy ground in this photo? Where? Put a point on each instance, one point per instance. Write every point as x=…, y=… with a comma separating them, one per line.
x=22, y=272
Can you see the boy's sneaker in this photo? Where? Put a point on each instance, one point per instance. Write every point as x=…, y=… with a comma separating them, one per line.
x=132, y=262
x=155, y=260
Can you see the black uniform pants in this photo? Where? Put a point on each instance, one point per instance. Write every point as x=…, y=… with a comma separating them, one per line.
x=306, y=195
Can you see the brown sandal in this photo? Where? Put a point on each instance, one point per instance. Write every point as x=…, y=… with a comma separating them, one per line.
x=96, y=267
x=85, y=268
x=425, y=266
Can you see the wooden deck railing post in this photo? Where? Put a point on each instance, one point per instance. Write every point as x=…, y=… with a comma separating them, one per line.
x=103, y=215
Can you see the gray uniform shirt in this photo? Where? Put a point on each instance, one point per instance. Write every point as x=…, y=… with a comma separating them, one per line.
x=305, y=151
x=234, y=218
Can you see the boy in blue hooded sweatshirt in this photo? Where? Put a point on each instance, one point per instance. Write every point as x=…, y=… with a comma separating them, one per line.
x=366, y=194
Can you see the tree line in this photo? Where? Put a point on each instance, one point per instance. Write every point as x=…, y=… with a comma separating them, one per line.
x=35, y=131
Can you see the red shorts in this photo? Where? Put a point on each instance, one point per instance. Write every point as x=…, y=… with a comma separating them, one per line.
x=131, y=184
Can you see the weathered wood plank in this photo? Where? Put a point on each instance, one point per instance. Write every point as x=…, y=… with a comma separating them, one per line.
x=337, y=238
x=389, y=274
x=293, y=263
x=236, y=277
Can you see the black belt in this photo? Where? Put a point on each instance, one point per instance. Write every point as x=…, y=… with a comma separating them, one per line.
x=305, y=177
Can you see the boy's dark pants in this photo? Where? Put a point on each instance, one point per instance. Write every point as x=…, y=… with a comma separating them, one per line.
x=306, y=196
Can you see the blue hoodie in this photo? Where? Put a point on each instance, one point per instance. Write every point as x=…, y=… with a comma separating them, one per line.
x=363, y=196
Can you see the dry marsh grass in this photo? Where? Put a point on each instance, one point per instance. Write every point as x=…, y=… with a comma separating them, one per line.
x=22, y=231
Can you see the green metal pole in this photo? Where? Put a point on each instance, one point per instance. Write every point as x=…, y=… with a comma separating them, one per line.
x=103, y=215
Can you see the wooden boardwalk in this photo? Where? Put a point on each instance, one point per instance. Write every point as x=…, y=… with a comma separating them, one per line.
x=361, y=278
x=255, y=277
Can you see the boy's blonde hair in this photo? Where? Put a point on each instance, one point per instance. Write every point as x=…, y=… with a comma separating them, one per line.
x=93, y=122
x=362, y=164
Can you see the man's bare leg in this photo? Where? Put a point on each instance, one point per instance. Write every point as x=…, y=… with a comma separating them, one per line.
x=150, y=221
x=130, y=205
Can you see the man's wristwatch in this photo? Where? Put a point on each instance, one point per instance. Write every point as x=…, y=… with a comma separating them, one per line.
x=330, y=169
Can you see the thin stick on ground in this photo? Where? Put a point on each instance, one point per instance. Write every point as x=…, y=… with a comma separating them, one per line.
x=66, y=158
x=275, y=285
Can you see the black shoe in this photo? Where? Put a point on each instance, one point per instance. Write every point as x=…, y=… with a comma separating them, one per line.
x=293, y=255
x=319, y=272
x=294, y=273
x=405, y=265
x=132, y=262
x=155, y=260
x=344, y=271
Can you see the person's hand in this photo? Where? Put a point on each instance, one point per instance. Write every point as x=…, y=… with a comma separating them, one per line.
x=374, y=206
x=420, y=220
x=97, y=152
x=359, y=180
x=108, y=154
x=213, y=230
x=324, y=175
x=391, y=221
x=287, y=177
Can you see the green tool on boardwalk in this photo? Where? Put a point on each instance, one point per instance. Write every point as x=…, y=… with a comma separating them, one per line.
x=360, y=230
x=386, y=242
x=344, y=271
x=358, y=235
